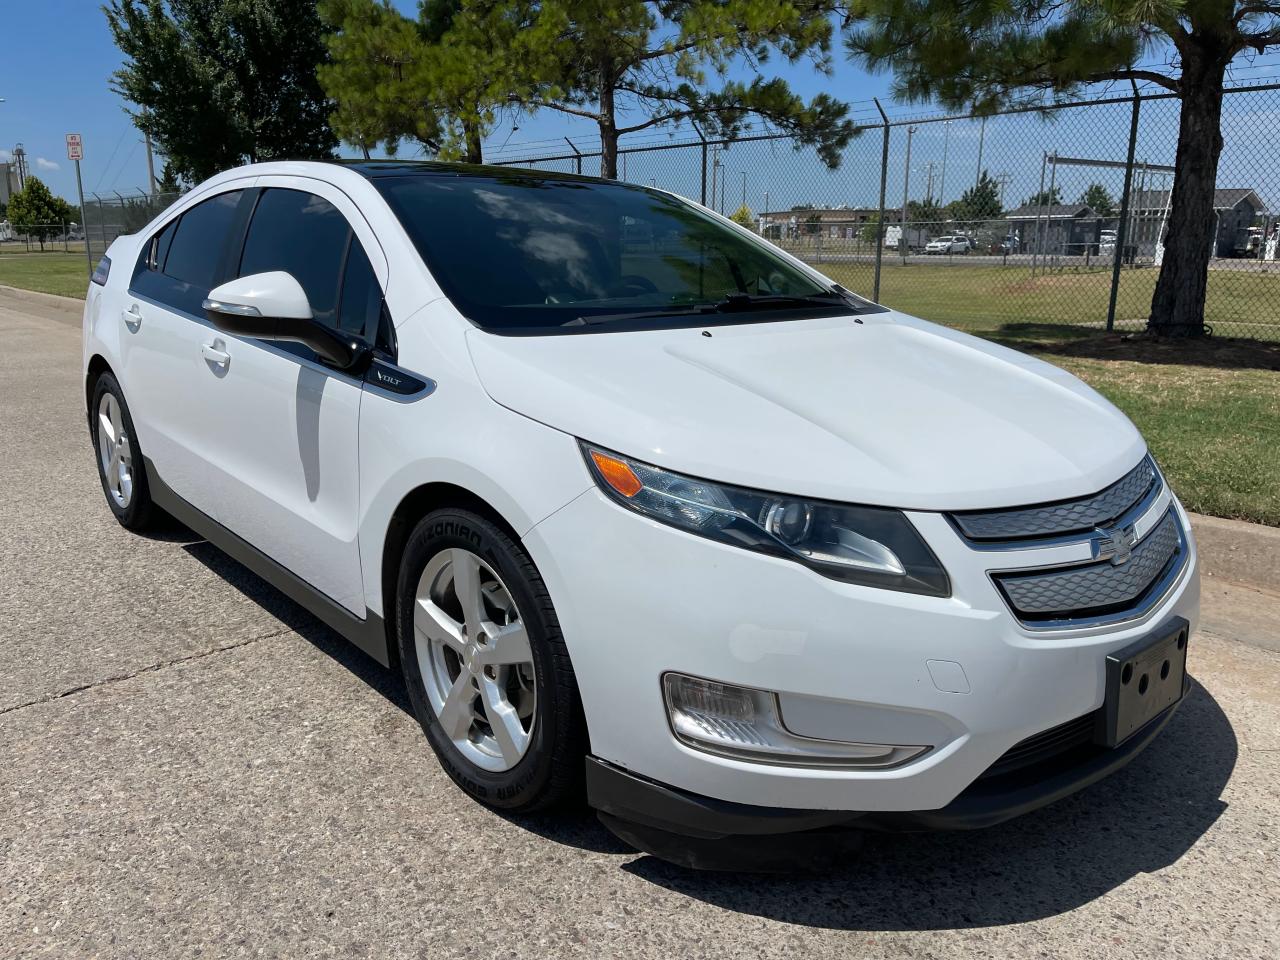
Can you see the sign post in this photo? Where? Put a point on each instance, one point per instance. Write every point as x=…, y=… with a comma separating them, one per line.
x=75, y=151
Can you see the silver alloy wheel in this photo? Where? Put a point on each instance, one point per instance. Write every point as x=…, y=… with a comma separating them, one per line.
x=114, y=451
x=475, y=660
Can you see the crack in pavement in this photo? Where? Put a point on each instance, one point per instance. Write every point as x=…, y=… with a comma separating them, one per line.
x=151, y=668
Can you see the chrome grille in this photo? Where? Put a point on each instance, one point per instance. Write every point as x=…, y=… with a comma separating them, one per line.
x=1098, y=589
x=1059, y=519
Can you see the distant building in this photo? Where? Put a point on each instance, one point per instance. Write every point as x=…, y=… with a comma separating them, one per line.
x=1236, y=209
x=8, y=182
x=835, y=222
x=1065, y=228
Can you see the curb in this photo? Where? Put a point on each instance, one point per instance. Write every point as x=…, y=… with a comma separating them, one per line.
x=1239, y=552
x=52, y=299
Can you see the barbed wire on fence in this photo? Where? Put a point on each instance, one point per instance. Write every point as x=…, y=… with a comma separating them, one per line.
x=1049, y=216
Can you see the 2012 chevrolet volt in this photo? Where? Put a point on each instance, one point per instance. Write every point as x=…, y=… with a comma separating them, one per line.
x=641, y=505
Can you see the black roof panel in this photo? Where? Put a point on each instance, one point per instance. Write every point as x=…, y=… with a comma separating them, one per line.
x=377, y=169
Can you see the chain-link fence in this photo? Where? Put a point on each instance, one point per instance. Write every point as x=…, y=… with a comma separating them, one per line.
x=41, y=238
x=1037, y=217
x=106, y=218
x=1050, y=217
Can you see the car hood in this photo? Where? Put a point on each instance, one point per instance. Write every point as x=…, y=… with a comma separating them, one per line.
x=890, y=411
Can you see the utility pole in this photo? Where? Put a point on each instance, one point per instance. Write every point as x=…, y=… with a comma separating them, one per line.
x=982, y=137
x=763, y=212
x=151, y=166
x=906, y=192
x=946, y=142
x=928, y=194
x=715, y=169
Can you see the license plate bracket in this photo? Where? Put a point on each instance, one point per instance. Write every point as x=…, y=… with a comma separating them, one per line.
x=1144, y=679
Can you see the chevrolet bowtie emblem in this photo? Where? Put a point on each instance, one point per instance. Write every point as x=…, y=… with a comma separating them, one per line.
x=1114, y=544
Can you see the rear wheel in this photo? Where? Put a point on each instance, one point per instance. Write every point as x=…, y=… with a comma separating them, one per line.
x=486, y=667
x=124, y=480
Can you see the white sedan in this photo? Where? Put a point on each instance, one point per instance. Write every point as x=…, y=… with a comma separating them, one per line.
x=956, y=244
x=683, y=525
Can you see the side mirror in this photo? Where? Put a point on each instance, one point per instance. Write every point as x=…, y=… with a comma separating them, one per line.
x=273, y=306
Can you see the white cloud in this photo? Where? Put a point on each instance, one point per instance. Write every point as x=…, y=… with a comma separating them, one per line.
x=43, y=164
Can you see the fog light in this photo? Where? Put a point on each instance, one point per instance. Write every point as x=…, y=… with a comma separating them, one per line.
x=745, y=723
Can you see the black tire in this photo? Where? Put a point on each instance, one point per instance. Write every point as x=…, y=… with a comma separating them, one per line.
x=139, y=513
x=551, y=771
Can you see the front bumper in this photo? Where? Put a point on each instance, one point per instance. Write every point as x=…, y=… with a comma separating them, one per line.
x=636, y=599
x=700, y=831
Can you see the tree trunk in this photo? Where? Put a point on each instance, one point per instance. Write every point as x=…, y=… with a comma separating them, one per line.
x=474, y=146
x=608, y=125
x=608, y=136
x=1177, y=307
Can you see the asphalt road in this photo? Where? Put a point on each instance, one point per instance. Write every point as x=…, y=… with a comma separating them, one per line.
x=192, y=766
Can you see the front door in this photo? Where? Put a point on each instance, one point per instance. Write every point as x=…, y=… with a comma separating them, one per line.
x=284, y=428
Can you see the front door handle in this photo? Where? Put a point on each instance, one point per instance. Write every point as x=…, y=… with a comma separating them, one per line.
x=133, y=318
x=210, y=352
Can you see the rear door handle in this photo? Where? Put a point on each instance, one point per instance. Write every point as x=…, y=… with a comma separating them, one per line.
x=133, y=318
x=215, y=356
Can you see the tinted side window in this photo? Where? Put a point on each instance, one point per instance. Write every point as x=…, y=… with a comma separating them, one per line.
x=361, y=295
x=303, y=235
x=195, y=250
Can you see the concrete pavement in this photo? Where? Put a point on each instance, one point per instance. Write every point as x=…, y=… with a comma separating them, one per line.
x=190, y=765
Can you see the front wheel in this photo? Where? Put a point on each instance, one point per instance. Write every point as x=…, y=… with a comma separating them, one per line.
x=487, y=670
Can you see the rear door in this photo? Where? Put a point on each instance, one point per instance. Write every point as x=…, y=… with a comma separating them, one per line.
x=284, y=424
x=166, y=341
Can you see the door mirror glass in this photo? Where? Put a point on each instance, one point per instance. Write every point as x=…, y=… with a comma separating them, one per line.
x=273, y=306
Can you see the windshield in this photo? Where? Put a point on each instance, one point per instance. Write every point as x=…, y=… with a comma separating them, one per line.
x=526, y=254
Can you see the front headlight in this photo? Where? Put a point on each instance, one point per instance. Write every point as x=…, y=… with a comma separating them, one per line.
x=872, y=546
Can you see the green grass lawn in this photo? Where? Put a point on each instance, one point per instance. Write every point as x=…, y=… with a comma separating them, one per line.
x=66, y=274
x=1241, y=303
x=1211, y=412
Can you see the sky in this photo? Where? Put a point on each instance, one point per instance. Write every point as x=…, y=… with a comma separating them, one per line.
x=56, y=61
x=57, y=57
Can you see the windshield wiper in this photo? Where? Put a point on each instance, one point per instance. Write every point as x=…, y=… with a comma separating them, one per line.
x=591, y=319
x=733, y=303
x=752, y=301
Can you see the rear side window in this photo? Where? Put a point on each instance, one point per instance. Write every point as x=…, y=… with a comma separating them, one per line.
x=195, y=250
x=303, y=235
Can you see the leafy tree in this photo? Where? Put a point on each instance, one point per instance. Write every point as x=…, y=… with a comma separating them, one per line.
x=870, y=232
x=1044, y=198
x=924, y=211
x=435, y=80
x=987, y=53
x=632, y=65
x=813, y=224
x=979, y=202
x=36, y=212
x=219, y=82
x=744, y=217
x=1095, y=196
x=168, y=181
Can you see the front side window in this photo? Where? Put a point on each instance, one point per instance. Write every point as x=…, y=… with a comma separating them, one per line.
x=303, y=235
x=532, y=254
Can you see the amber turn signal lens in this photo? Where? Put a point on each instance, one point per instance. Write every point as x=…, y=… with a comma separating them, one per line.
x=617, y=474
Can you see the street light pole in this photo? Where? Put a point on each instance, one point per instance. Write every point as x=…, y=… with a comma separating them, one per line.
x=946, y=142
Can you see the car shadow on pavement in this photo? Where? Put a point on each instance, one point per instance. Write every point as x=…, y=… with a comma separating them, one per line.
x=1139, y=820
x=574, y=827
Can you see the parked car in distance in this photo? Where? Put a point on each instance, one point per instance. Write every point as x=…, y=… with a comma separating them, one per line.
x=1107, y=242
x=641, y=506
x=948, y=244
